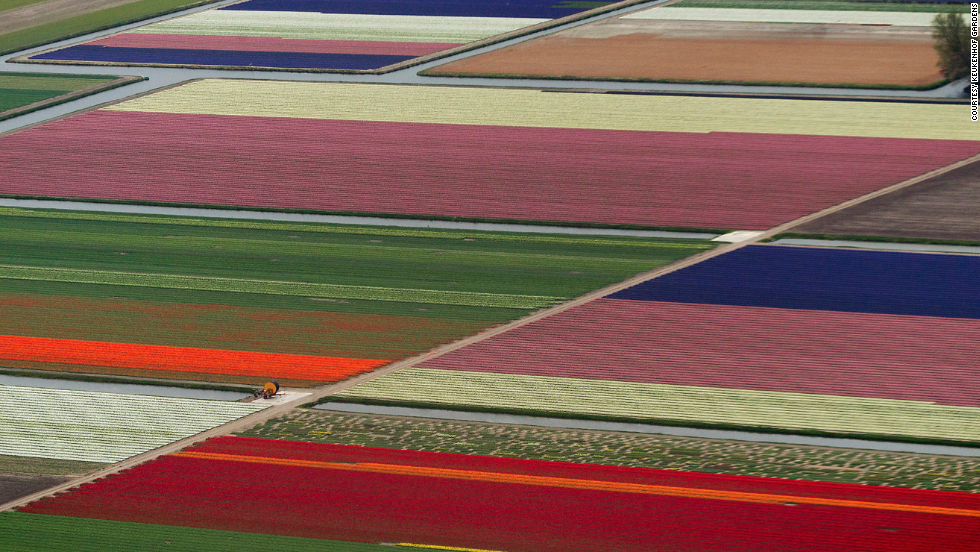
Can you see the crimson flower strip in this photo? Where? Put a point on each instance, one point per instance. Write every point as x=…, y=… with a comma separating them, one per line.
x=182, y=359
x=270, y=44
x=369, y=506
x=766, y=349
x=721, y=180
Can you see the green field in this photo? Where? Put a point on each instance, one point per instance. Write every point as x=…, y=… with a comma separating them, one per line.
x=867, y=467
x=43, y=533
x=354, y=292
x=833, y=5
x=90, y=22
x=21, y=89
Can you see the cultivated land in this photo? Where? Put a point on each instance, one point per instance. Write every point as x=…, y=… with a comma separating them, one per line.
x=52, y=20
x=835, y=5
x=240, y=301
x=24, y=92
x=945, y=208
x=606, y=159
x=662, y=351
x=315, y=36
x=490, y=503
x=914, y=471
x=625, y=48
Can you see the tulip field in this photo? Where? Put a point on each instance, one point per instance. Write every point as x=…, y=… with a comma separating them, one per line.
x=307, y=35
x=103, y=427
x=453, y=501
x=820, y=341
x=609, y=159
x=245, y=301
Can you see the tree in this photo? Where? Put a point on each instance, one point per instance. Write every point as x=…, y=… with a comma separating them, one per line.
x=953, y=44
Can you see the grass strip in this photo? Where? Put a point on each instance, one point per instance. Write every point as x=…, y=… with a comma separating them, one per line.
x=368, y=230
x=272, y=287
x=808, y=463
x=92, y=22
x=45, y=533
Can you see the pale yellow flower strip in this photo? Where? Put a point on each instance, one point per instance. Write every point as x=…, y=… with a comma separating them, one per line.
x=533, y=108
x=678, y=403
x=846, y=17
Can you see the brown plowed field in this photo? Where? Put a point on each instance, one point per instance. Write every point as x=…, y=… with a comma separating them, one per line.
x=16, y=485
x=946, y=207
x=816, y=54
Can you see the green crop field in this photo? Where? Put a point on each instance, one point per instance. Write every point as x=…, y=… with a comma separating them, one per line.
x=351, y=292
x=22, y=89
x=833, y=5
x=43, y=533
x=867, y=467
x=90, y=22
x=11, y=4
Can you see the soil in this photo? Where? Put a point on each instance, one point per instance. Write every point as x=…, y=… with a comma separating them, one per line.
x=711, y=51
x=945, y=207
x=16, y=485
x=52, y=10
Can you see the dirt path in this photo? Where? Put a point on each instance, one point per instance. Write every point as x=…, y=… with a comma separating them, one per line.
x=51, y=11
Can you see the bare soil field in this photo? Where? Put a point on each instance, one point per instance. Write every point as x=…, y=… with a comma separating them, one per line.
x=16, y=485
x=720, y=52
x=946, y=207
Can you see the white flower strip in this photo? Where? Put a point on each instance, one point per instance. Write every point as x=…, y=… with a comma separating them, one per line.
x=102, y=427
x=901, y=19
x=329, y=26
x=679, y=403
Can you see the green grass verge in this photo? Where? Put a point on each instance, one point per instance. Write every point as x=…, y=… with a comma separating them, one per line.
x=835, y=5
x=47, y=466
x=918, y=471
x=92, y=22
x=22, y=93
x=874, y=239
x=541, y=413
x=96, y=378
x=25, y=532
x=558, y=223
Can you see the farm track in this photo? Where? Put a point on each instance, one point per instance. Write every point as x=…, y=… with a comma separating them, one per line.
x=252, y=420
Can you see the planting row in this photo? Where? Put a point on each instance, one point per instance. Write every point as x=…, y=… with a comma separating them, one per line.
x=580, y=170
x=246, y=301
x=883, y=282
x=339, y=35
x=536, y=108
x=379, y=495
x=640, y=450
x=103, y=427
x=670, y=404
